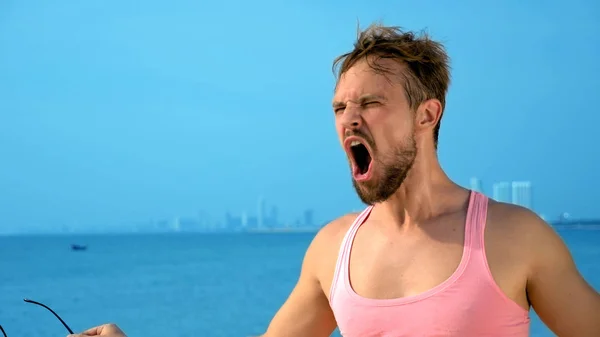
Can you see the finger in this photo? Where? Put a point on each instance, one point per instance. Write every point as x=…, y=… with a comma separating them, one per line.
x=104, y=329
x=95, y=331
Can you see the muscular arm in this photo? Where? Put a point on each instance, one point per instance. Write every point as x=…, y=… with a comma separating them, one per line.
x=306, y=312
x=564, y=301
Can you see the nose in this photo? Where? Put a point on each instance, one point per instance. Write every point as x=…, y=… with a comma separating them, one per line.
x=351, y=118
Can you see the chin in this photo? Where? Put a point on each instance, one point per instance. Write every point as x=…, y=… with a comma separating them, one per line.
x=377, y=190
x=369, y=194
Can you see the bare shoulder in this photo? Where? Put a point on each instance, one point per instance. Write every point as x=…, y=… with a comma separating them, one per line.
x=508, y=218
x=509, y=247
x=556, y=290
x=306, y=312
x=523, y=236
x=324, y=249
x=321, y=256
x=334, y=230
x=523, y=229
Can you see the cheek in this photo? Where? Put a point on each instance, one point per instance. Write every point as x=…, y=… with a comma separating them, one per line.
x=339, y=129
x=398, y=129
x=391, y=136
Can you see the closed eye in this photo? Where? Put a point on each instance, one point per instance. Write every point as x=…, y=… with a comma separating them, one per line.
x=372, y=103
x=340, y=108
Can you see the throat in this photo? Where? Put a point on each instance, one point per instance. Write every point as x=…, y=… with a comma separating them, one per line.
x=362, y=158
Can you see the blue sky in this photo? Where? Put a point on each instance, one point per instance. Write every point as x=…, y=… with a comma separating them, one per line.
x=114, y=112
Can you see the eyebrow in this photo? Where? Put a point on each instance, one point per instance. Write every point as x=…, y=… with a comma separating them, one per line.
x=361, y=100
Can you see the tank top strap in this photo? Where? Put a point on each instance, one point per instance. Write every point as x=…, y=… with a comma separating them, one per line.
x=475, y=226
x=343, y=260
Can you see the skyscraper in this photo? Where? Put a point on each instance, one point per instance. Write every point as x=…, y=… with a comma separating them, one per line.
x=273, y=217
x=521, y=194
x=261, y=212
x=176, y=224
x=502, y=192
x=308, y=217
x=244, y=220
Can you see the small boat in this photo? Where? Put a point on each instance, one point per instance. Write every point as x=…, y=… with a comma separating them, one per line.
x=78, y=247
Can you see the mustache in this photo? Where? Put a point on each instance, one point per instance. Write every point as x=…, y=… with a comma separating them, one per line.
x=360, y=134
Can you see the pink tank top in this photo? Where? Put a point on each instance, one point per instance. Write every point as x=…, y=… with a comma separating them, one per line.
x=468, y=304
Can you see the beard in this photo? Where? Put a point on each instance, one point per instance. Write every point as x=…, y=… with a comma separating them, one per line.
x=391, y=171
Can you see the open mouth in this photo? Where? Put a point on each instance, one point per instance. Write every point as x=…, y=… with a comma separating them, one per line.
x=362, y=160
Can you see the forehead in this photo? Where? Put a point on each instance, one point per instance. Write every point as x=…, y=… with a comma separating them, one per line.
x=361, y=80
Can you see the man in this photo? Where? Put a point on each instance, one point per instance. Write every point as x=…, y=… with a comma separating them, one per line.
x=427, y=257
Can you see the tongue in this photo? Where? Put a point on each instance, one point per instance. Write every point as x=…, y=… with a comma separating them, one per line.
x=363, y=165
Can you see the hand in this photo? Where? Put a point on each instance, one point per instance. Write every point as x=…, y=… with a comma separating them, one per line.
x=107, y=330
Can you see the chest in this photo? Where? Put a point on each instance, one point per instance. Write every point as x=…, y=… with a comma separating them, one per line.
x=395, y=266
x=465, y=317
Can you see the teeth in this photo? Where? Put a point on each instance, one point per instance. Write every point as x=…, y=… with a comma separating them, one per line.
x=354, y=143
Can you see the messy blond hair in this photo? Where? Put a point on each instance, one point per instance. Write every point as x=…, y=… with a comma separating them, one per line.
x=427, y=74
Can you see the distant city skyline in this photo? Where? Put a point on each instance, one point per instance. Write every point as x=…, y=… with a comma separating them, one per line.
x=514, y=192
x=266, y=216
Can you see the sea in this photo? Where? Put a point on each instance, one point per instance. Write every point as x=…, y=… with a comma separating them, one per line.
x=156, y=285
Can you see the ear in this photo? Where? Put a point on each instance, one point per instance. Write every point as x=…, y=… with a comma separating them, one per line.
x=428, y=115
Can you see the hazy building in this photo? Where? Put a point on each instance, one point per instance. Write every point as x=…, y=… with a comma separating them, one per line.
x=502, y=192
x=274, y=217
x=261, y=212
x=232, y=222
x=521, y=194
x=252, y=222
x=308, y=217
x=176, y=225
x=244, y=220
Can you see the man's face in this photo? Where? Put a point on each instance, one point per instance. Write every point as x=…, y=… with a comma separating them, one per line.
x=375, y=126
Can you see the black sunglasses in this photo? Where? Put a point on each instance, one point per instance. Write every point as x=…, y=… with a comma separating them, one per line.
x=45, y=306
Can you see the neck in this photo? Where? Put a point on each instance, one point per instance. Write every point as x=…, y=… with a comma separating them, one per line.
x=426, y=192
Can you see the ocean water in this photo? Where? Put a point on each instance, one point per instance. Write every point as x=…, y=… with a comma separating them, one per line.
x=173, y=284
